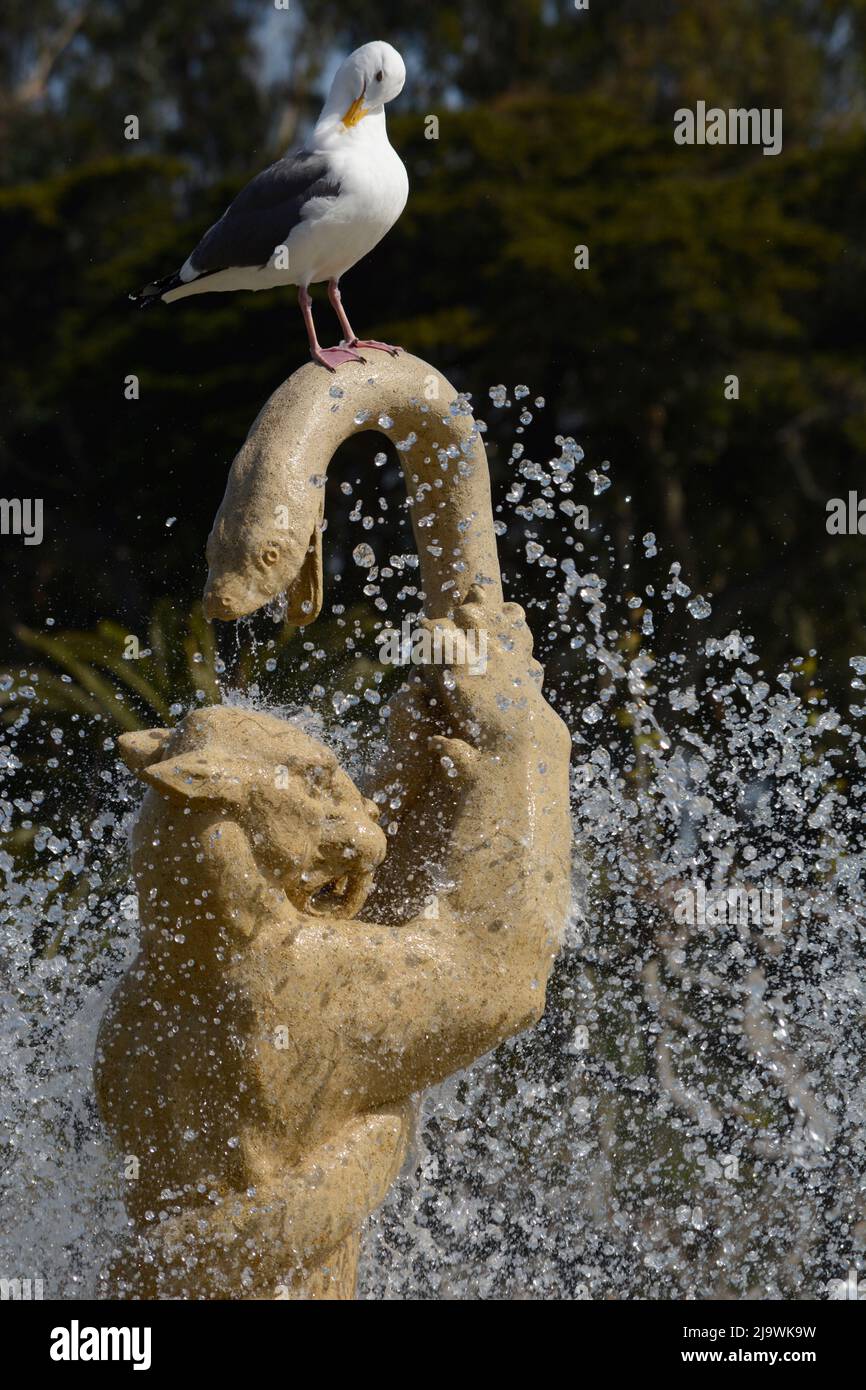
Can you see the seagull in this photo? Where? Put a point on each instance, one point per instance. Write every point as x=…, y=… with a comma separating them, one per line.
x=314, y=213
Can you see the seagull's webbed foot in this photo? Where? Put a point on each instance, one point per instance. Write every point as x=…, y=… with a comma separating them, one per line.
x=373, y=343
x=333, y=357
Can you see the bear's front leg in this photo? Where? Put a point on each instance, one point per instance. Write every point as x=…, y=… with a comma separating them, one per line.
x=292, y=1235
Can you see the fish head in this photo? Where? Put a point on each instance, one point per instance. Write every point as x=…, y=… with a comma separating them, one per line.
x=250, y=566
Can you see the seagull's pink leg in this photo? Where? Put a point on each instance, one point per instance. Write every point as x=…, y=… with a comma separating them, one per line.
x=349, y=336
x=326, y=357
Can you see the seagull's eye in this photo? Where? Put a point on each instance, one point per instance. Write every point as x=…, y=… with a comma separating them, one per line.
x=379, y=75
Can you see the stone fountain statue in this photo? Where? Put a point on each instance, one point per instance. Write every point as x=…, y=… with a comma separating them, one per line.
x=302, y=976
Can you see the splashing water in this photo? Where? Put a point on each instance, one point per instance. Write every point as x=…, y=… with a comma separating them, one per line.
x=687, y=1120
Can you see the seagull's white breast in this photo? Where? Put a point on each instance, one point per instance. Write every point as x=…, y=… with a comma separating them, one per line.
x=335, y=233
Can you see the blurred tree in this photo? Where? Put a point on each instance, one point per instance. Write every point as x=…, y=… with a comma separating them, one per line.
x=555, y=130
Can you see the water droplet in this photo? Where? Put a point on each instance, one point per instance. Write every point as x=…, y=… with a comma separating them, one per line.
x=699, y=607
x=364, y=555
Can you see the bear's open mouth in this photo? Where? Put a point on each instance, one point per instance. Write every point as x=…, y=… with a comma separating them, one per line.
x=340, y=897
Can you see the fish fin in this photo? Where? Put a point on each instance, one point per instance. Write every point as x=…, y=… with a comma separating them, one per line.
x=304, y=598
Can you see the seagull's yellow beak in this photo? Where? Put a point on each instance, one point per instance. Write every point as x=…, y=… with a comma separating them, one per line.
x=356, y=111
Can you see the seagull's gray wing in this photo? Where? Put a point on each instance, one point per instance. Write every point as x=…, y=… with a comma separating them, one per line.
x=264, y=213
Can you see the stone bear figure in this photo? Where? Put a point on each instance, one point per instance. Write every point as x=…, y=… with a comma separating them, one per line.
x=261, y=1056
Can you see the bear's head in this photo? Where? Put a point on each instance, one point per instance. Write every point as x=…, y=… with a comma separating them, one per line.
x=306, y=822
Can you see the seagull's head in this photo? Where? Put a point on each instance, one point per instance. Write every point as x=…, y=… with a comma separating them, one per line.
x=368, y=79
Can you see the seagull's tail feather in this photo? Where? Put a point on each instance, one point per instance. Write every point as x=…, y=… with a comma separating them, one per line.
x=156, y=290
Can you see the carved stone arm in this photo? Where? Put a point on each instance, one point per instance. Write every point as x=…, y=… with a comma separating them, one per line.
x=410, y=1004
x=267, y=1242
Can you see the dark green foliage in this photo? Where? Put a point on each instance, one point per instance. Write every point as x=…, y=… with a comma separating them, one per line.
x=556, y=130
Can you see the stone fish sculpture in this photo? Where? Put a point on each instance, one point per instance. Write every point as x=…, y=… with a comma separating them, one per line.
x=293, y=994
x=266, y=538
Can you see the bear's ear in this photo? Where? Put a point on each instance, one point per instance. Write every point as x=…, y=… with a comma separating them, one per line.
x=142, y=747
x=196, y=777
